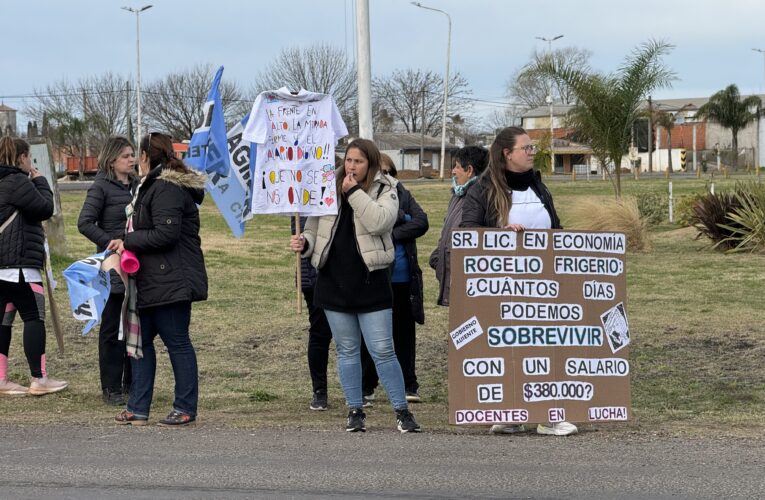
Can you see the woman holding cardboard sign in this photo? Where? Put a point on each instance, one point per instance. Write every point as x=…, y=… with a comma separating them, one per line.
x=511, y=195
x=352, y=252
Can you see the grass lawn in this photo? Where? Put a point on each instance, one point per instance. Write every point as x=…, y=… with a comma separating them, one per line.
x=697, y=322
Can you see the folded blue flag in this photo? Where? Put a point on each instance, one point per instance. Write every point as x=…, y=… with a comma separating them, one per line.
x=207, y=149
x=89, y=289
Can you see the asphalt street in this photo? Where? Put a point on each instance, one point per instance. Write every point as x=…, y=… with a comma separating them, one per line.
x=70, y=461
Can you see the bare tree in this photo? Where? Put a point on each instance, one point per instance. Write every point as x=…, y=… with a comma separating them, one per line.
x=91, y=110
x=530, y=88
x=174, y=103
x=319, y=68
x=401, y=96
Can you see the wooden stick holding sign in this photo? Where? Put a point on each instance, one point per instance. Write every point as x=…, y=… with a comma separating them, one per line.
x=298, y=276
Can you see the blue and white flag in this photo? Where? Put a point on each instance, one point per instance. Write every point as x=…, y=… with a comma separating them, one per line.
x=233, y=193
x=207, y=148
x=89, y=287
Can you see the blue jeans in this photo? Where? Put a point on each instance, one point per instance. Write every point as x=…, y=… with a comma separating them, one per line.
x=376, y=327
x=171, y=322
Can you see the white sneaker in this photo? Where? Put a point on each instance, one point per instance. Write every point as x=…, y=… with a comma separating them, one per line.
x=12, y=389
x=557, y=429
x=45, y=385
x=507, y=429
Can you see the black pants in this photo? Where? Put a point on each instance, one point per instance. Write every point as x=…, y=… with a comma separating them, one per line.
x=319, y=338
x=404, y=342
x=29, y=300
x=113, y=361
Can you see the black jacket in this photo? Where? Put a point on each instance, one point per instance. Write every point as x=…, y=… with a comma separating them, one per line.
x=103, y=218
x=165, y=238
x=22, y=243
x=477, y=213
x=405, y=233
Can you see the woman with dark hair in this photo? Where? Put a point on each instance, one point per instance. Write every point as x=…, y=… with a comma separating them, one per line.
x=352, y=252
x=164, y=219
x=406, y=281
x=511, y=195
x=102, y=220
x=25, y=201
x=469, y=164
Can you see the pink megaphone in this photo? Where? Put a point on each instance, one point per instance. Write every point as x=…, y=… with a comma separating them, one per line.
x=129, y=262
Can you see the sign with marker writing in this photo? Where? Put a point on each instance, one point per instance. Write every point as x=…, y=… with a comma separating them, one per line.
x=538, y=327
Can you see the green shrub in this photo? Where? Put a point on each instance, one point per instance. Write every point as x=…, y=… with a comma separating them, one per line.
x=684, y=209
x=746, y=222
x=653, y=207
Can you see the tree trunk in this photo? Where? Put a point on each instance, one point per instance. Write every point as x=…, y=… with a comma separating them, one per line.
x=734, y=146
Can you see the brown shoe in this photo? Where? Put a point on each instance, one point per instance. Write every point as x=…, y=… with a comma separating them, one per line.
x=45, y=385
x=8, y=388
x=126, y=417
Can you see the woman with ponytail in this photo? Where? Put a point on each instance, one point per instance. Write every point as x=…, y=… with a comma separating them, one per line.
x=25, y=201
x=163, y=232
x=511, y=195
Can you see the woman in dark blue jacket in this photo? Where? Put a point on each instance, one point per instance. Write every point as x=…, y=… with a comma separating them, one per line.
x=165, y=238
x=102, y=220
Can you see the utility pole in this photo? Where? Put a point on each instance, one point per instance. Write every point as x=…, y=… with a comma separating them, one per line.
x=550, y=101
x=364, y=69
x=422, y=135
x=650, y=135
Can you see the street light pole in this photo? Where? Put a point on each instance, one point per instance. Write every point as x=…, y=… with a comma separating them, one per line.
x=550, y=102
x=138, y=63
x=446, y=84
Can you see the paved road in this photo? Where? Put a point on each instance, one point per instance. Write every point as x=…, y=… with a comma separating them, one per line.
x=69, y=461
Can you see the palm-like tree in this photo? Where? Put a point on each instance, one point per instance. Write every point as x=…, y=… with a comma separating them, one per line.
x=728, y=109
x=607, y=105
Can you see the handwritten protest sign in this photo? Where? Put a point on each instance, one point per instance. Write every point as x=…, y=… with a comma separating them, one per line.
x=295, y=164
x=538, y=327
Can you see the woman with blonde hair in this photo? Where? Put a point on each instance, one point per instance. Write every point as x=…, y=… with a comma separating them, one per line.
x=102, y=220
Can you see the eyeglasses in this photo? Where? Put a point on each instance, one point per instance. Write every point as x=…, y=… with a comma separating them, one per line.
x=529, y=148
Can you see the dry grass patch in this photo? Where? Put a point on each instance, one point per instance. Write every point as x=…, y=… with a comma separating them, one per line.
x=613, y=215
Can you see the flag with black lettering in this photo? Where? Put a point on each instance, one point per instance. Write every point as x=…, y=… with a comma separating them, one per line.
x=89, y=287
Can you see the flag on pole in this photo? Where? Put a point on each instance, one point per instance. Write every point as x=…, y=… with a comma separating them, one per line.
x=207, y=148
x=89, y=287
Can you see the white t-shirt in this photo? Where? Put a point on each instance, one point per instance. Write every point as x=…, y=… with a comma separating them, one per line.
x=12, y=275
x=527, y=209
x=295, y=159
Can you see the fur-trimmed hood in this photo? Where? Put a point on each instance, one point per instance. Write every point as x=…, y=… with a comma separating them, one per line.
x=191, y=181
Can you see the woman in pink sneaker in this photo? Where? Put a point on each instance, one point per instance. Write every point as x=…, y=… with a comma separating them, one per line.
x=25, y=201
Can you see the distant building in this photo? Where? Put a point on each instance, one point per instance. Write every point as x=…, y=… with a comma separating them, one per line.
x=7, y=120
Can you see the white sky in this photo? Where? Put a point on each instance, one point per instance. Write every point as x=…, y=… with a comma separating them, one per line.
x=45, y=40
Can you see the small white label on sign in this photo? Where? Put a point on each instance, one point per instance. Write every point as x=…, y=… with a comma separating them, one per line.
x=490, y=393
x=464, y=239
x=483, y=367
x=466, y=332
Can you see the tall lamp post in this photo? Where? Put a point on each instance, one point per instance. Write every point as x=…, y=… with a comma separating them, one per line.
x=550, y=102
x=446, y=84
x=137, y=11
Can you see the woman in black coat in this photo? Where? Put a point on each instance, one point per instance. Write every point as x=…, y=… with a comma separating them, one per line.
x=102, y=220
x=165, y=238
x=25, y=201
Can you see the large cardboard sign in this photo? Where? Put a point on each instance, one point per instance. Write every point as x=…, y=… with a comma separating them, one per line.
x=538, y=328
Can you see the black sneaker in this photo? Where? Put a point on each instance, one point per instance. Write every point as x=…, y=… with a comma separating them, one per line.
x=114, y=398
x=406, y=421
x=356, y=421
x=176, y=419
x=319, y=401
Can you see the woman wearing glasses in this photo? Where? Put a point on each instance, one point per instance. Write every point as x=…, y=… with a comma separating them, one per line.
x=511, y=195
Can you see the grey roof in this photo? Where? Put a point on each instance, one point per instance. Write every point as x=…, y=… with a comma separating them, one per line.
x=558, y=110
x=408, y=142
x=3, y=107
